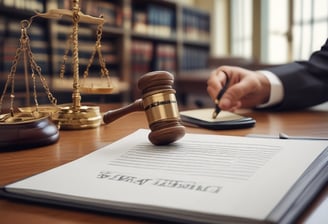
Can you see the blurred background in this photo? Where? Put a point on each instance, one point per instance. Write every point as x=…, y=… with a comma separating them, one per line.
x=188, y=38
x=272, y=31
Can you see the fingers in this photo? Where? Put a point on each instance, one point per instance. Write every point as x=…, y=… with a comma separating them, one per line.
x=243, y=86
x=216, y=82
x=232, y=98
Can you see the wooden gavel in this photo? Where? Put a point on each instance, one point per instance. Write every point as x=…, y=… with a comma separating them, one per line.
x=160, y=104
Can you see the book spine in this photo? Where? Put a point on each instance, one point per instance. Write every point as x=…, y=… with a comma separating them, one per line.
x=160, y=20
x=39, y=52
x=40, y=47
x=194, y=58
x=141, y=57
x=64, y=4
x=112, y=13
x=165, y=57
x=155, y=20
x=196, y=25
x=29, y=5
x=140, y=21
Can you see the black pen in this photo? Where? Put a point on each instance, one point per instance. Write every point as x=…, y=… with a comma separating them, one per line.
x=219, y=96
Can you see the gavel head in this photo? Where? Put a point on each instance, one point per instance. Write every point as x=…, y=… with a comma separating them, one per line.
x=161, y=108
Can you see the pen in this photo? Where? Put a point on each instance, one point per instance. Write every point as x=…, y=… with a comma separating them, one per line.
x=219, y=96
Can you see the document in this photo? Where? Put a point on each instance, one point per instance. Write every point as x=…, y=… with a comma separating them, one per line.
x=200, y=178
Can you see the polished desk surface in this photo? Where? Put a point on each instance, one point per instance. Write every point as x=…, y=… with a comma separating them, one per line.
x=15, y=165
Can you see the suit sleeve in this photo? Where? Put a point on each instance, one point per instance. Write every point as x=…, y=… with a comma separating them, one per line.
x=305, y=83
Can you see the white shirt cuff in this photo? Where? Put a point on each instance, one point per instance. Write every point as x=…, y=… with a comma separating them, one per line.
x=276, y=91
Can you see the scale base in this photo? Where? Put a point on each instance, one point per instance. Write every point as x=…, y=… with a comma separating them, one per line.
x=26, y=130
x=69, y=118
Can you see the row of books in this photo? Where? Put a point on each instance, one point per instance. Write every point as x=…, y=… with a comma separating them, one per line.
x=147, y=56
x=154, y=20
x=10, y=42
x=10, y=33
x=165, y=57
x=87, y=44
x=31, y=5
x=112, y=13
x=196, y=25
x=194, y=58
x=141, y=57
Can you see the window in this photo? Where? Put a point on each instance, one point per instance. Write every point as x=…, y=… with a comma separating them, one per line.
x=274, y=30
x=310, y=26
x=289, y=30
x=241, y=28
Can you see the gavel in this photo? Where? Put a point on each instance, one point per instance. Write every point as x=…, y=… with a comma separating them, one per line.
x=160, y=105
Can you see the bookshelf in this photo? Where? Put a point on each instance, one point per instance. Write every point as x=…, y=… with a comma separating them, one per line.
x=138, y=36
x=12, y=12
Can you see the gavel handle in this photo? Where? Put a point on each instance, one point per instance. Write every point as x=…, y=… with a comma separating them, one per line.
x=112, y=115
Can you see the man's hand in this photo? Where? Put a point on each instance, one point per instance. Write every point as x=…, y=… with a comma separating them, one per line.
x=247, y=89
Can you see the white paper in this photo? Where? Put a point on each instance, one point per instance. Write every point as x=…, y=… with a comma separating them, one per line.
x=198, y=175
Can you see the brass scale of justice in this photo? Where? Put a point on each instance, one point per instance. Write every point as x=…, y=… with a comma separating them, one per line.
x=37, y=126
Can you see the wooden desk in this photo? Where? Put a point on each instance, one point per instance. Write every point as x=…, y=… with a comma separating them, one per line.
x=74, y=144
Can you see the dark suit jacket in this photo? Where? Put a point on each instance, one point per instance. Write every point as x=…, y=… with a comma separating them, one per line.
x=305, y=82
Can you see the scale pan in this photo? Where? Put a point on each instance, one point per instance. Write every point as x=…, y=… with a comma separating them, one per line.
x=96, y=90
x=50, y=109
